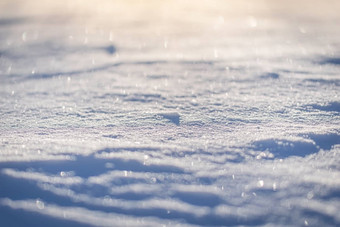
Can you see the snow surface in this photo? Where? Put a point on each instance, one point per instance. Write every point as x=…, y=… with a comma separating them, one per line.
x=150, y=113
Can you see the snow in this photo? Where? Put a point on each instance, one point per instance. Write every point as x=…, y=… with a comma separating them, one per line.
x=151, y=113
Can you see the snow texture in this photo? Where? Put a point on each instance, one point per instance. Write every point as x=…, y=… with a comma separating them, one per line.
x=151, y=113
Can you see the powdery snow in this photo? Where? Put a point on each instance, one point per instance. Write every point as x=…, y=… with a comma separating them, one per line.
x=150, y=113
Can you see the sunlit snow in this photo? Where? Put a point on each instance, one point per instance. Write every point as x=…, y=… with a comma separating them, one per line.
x=165, y=113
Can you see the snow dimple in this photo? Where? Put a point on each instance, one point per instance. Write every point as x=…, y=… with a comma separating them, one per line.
x=173, y=117
x=285, y=148
x=325, y=141
x=199, y=198
x=144, y=98
x=270, y=75
x=331, y=106
x=331, y=61
x=325, y=82
x=111, y=49
x=157, y=77
x=279, y=148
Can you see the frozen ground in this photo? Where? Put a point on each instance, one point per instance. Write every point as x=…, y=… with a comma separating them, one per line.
x=150, y=113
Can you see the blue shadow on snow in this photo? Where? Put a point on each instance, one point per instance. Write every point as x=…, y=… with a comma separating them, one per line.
x=286, y=148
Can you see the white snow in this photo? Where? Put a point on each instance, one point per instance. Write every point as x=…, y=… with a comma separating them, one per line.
x=151, y=113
